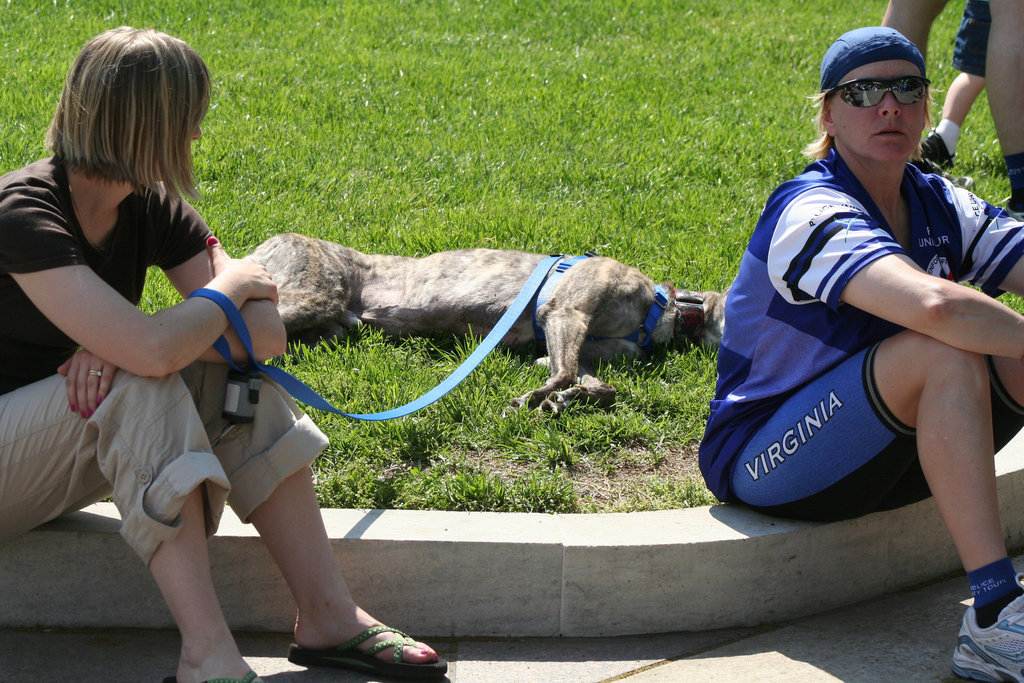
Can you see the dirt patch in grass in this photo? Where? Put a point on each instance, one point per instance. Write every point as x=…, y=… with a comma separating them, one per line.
x=632, y=482
x=631, y=476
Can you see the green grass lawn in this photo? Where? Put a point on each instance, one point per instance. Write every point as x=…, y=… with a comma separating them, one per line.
x=651, y=132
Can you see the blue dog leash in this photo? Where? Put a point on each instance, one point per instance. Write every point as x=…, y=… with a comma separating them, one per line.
x=301, y=392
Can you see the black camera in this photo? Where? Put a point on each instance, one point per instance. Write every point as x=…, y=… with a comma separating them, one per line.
x=242, y=393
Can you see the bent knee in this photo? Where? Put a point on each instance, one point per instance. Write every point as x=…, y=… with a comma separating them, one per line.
x=148, y=396
x=916, y=353
x=909, y=364
x=130, y=384
x=909, y=360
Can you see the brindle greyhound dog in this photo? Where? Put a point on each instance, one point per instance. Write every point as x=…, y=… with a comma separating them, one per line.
x=324, y=289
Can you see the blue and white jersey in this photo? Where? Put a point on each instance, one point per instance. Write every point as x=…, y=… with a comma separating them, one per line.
x=785, y=324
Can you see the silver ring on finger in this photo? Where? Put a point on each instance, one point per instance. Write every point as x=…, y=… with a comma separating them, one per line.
x=96, y=373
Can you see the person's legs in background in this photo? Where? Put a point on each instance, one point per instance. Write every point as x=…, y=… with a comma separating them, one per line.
x=913, y=18
x=969, y=57
x=1005, y=76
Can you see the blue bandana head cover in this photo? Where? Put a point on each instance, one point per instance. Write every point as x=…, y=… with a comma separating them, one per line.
x=865, y=46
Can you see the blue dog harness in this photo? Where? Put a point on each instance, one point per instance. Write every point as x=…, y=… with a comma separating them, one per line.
x=653, y=313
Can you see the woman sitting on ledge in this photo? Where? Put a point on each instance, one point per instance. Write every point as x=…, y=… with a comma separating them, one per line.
x=98, y=398
x=855, y=373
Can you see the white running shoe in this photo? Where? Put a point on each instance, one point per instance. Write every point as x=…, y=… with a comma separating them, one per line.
x=995, y=653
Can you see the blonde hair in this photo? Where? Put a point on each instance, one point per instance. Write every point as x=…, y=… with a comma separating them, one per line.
x=132, y=102
x=823, y=144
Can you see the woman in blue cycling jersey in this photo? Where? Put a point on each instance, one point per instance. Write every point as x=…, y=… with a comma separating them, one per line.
x=856, y=374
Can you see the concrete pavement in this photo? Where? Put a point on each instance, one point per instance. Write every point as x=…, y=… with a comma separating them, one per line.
x=908, y=636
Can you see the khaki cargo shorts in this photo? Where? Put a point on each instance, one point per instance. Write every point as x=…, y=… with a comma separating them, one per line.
x=148, y=445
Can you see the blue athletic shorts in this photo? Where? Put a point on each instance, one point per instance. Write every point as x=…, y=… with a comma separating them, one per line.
x=834, y=451
x=972, y=38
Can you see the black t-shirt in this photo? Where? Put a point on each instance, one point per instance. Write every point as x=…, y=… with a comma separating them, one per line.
x=39, y=231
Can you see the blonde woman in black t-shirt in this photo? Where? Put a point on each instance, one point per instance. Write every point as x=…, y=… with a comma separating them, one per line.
x=98, y=398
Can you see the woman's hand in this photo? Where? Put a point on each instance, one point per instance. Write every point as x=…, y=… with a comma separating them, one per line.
x=239, y=277
x=87, y=378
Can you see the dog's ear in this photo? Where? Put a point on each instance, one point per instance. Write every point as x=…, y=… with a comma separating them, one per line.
x=712, y=298
x=714, y=317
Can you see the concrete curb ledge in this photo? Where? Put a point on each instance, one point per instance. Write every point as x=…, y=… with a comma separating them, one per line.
x=495, y=574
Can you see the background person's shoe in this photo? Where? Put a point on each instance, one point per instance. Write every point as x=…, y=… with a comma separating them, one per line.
x=928, y=166
x=933, y=148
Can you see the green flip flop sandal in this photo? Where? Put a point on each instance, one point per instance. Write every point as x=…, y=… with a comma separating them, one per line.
x=346, y=656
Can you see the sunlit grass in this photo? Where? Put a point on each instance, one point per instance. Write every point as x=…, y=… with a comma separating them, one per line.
x=651, y=132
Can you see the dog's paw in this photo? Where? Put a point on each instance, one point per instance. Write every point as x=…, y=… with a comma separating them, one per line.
x=527, y=400
x=558, y=401
x=599, y=395
x=518, y=402
x=538, y=400
x=552, y=406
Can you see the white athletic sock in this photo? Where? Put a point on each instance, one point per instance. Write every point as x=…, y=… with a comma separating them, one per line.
x=949, y=131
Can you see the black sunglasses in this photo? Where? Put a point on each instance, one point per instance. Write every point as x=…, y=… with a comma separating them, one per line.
x=867, y=92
